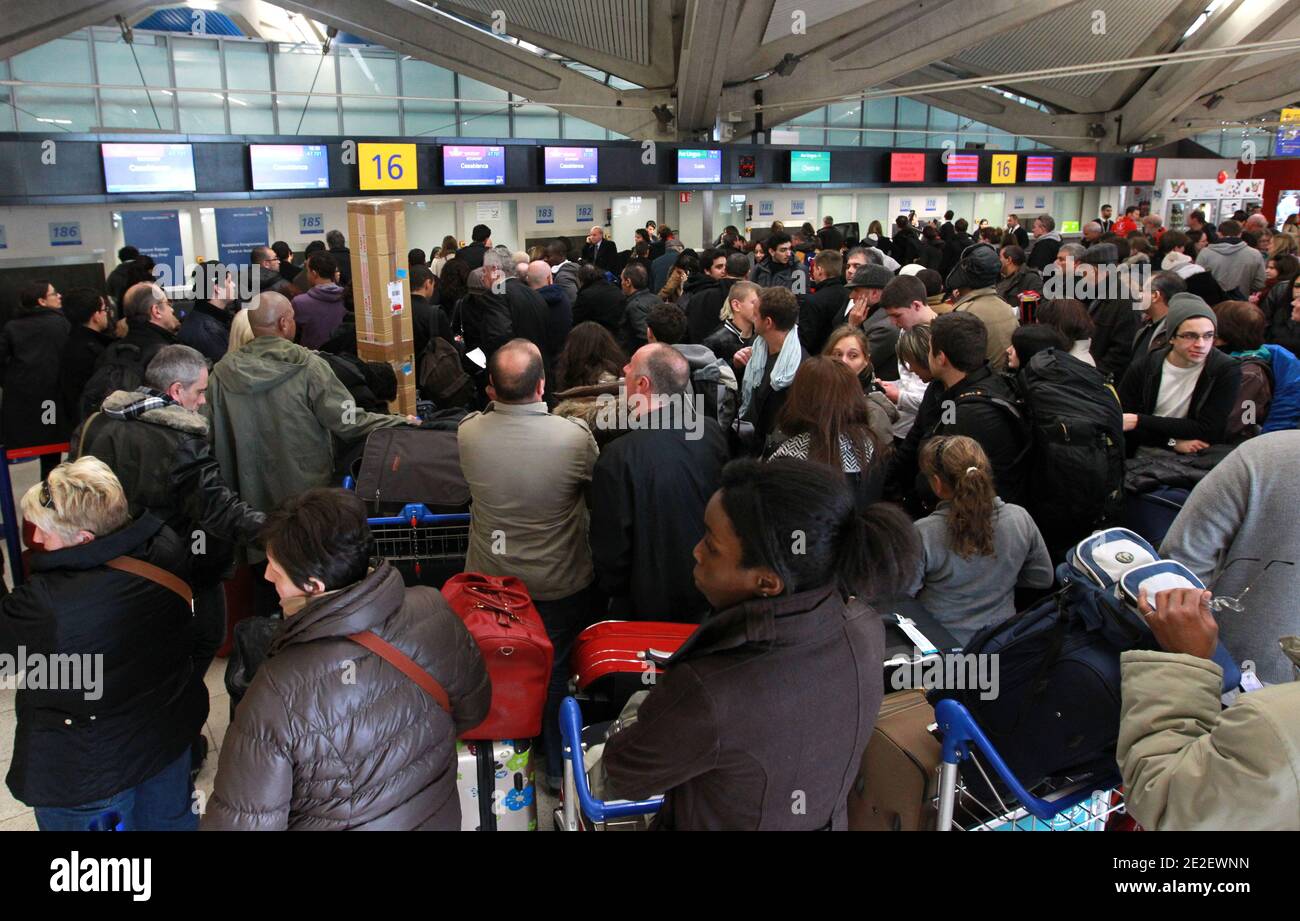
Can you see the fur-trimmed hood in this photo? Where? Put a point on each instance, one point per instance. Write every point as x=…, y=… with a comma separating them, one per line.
x=173, y=415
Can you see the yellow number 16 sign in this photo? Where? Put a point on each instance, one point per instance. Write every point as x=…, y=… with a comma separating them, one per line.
x=387, y=166
x=1004, y=169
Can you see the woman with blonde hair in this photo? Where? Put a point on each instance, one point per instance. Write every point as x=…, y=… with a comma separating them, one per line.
x=976, y=549
x=107, y=594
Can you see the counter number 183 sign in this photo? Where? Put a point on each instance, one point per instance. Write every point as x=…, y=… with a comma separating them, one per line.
x=545, y=214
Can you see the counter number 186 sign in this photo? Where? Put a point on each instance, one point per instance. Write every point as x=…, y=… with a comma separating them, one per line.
x=387, y=166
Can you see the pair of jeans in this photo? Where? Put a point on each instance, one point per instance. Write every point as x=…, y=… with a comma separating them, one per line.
x=161, y=803
x=564, y=619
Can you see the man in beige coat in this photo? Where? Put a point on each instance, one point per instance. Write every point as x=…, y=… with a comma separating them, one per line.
x=528, y=473
x=1187, y=763
x=972, y=284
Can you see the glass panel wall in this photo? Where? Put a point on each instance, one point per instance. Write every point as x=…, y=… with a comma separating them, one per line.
x=303, y=68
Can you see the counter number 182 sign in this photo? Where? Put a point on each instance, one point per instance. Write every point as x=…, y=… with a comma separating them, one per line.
x=383, y=167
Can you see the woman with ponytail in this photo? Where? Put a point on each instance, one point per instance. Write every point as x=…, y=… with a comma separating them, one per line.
x=772, y=700
x=977, y=550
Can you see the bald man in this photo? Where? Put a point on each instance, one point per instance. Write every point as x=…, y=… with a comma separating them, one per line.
x=276, y=410
x=528, y=473
x=559, y=309
x=649, y=490
x=600, y=252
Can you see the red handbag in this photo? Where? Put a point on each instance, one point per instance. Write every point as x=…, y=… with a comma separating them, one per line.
x=499, y=614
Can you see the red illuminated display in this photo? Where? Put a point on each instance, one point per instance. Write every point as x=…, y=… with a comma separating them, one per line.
x=907, y=167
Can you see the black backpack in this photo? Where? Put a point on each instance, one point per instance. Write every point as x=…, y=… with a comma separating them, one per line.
x=441, y=378
x=121, y=367
x=1077, y=433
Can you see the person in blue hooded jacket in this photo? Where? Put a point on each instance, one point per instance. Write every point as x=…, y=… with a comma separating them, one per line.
x=1269, y=397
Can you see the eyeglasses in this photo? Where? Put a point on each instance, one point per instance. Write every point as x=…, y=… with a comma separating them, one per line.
x=1236, y=604
x=47, y=500
x=1194, y=337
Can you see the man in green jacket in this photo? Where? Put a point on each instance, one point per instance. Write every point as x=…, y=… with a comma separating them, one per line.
x=275, y=409
x=1188, y=764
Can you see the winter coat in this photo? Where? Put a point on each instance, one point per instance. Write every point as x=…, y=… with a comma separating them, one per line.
x=275, y=409
x=1042, y=252
x=206, y=328
x=769, y=274
x=1114, y=329
x=1282, y=330
x=1207, y=417
x=600, y=302
x=648, y=493
x=999, y=319
x=726, y=341
x=31, y=408
x=1188, y=764
x=343, y=262
x=472, y=255
x=636, y=313
x=80, y=355
x=310, y=751
x=318, y=313
x=1234, y=265
x=719, y=735
x=1244, y=510
x=702, y=299
x=565, y=277
x=70, y=750
x=559, y=317
x=1011, y=287
x=976, y=415
x=820, y=312
x=160, y=455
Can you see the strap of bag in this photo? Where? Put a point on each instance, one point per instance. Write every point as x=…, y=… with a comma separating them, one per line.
x=85, y=430
x=494, y=596
x=404, y=664
x=153, y=574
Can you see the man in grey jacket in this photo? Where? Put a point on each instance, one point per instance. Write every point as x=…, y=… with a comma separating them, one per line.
x=1234, y=264
x=1238, y=529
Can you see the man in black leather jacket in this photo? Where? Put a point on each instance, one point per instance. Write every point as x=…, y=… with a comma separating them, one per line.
x=155, y=441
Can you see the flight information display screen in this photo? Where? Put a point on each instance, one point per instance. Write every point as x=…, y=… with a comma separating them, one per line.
x=473, y=166
x=148, y=167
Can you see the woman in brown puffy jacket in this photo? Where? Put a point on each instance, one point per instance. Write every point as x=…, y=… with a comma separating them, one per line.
x=330, y=735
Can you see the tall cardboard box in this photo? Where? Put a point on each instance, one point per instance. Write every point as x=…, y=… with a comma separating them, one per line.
x=381, y=291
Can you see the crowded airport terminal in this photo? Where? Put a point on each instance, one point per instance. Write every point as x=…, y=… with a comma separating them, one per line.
x=700, y=415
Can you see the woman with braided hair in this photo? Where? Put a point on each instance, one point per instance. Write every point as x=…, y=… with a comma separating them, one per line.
x=976, y=549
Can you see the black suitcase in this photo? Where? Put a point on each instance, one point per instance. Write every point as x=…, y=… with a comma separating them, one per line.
x=901, y=650
x=405, y=465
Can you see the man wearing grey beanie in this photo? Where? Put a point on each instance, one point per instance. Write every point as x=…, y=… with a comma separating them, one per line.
x=1180, y=396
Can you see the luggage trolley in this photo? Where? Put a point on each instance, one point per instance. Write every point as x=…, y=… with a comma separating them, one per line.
x=1088, y=804
x=581, y=810
x=417, y=539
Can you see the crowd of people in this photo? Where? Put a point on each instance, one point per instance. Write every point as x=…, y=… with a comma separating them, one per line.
x=764, y=437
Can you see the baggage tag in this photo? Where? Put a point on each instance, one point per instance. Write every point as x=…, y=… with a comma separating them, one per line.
x=919, y=639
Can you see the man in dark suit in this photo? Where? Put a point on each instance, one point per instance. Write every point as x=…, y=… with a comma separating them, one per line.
x=482, y=242
x=600, y=252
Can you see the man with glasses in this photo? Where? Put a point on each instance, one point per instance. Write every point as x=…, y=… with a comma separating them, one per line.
x=268, y=265
x=1180, y=396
